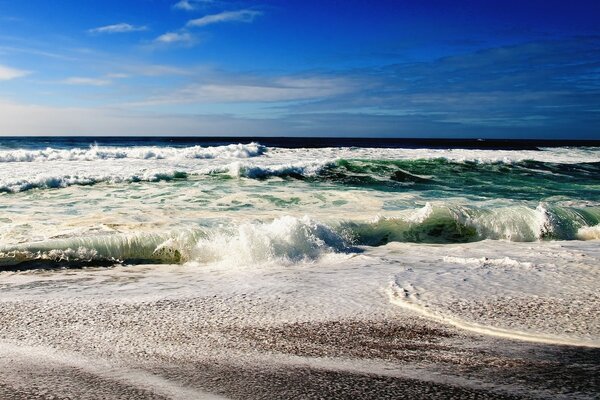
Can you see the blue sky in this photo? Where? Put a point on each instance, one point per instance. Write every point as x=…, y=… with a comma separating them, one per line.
x=527, y=69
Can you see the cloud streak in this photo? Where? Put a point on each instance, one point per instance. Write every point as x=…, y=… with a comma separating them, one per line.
x=83, y=81
x=170, y=38
x=190, y=5
x=117, y=28
x=8, y=73
x=281, y=89
x=246, y=16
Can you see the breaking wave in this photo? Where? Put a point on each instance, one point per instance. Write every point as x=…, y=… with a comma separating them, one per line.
x=95, y=152
x=459, y=224
x=284, y=240
x=408, y=171
x=62, y=181
x=522, y=180
x=289, y=239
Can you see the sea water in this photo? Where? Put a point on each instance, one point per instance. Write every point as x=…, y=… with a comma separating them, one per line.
x=492, y=240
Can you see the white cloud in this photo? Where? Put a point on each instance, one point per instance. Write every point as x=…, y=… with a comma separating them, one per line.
x=8, y=73
x=175, y=38
x=226, y=16
x=190, y=5
x=76, y=80
x=184, y=5
x=118, y=28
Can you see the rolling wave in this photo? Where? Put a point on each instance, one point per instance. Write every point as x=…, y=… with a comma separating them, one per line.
x=288, y=239
x=515, y=179
x=415, y=171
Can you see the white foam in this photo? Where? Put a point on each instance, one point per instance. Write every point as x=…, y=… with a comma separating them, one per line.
x=503, y=289
x=484, y=261
x=514, y=223
x=52, y=168
x=285, y=240
x=51, y=181
x=420, y=215
x=139, y=152
x=305, y=169
x=589, y=233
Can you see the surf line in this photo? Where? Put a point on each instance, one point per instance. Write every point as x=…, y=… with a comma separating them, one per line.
x=44, y=357
x=400, y=299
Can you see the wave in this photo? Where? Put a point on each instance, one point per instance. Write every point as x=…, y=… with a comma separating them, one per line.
x=95, y=152
x=523, y=180
x=459, y=224
x=589, y=233
x=414, y=171
x=299, y=170
x=285, y=240
x=62, y=181
x=288, y=239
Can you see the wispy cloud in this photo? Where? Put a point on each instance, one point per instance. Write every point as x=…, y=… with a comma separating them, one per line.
x=35, y=52
x=30, y=119
x=190, y=5
x=78, y=80
x=496, y=90
x=117, y=75
x=181, y=38
x=225, y=16
x=8, y=18
x=117, y=28
x=154, y=70
x=8, y=73
x=265, y=91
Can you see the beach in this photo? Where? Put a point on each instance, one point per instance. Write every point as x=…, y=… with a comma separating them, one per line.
x=222, y=336
x=248, y=270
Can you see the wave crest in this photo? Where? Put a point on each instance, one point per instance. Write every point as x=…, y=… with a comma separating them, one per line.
x=285, y=240
x=96, y=152
x=288, y=239
x=62, y=181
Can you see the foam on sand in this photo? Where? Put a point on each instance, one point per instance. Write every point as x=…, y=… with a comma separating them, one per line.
x=507, y=295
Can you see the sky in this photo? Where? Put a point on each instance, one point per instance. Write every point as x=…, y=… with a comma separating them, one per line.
x=472, y=69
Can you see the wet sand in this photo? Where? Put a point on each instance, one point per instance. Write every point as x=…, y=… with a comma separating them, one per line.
x=208, y=347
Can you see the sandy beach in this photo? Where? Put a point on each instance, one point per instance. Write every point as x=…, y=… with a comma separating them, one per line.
x=114, y=341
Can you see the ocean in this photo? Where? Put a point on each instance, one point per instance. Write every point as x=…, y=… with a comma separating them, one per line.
x=495, y=238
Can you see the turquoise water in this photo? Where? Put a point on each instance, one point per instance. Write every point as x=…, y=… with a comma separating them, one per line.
x=67, y=202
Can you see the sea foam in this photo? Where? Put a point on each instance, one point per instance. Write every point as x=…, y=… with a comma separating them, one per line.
x=285, y=240
x=142, y=152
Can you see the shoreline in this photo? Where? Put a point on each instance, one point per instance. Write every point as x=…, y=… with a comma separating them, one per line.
x=165, y=349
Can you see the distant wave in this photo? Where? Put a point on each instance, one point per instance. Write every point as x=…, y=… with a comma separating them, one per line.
x=291, y=240
x=413, y=170
x=53, y=182
x=522, y=179
x=517, y=180
x=142, y=152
